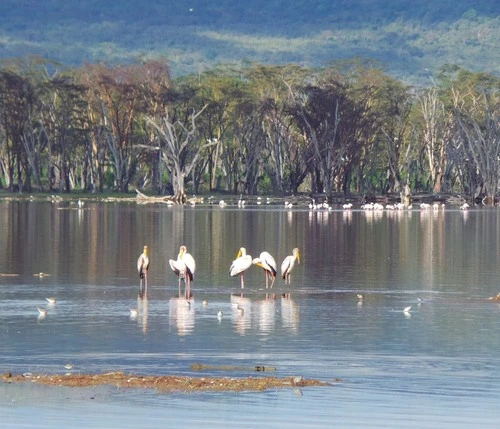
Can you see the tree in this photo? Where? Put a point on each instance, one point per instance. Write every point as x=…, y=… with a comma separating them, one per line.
x=177, y=131
x=482, y=135
x=437, y=133
x=17, y=109
x=117, y=100
x=62, y=114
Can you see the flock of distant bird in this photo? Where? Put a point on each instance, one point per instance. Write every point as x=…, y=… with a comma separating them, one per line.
x=313, y=205
x=185, y=266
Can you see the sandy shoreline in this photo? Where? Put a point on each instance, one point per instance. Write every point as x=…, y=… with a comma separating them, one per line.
x=165, y=383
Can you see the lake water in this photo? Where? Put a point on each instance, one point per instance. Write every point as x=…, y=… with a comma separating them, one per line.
x=436, y=367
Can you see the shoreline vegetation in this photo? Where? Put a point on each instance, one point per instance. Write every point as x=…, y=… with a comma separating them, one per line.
x=167, y=384
x=260, y=130
x=300, y=200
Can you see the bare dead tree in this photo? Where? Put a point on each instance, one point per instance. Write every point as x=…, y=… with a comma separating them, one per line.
x=178, y=149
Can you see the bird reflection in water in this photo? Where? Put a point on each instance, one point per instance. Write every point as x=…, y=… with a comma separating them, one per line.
x=241, y=314
x=181, y=314
x=266, y=309
x=289, y=313
x=142, y=307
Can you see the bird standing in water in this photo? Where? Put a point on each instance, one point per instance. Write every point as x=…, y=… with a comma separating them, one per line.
x=242, y=263
x=142, y=268
x=184, y=267
x=268, y=264
x=289, y=263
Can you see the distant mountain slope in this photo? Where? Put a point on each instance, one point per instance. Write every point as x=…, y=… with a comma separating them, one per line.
x=408, y=37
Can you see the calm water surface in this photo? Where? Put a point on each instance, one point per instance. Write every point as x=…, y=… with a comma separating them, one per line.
x=435, y=367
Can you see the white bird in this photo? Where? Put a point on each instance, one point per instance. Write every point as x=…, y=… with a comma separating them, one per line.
x=184, y=267
x=222, y=204
x=464, y=206
x=205, y=302
x=41, y=275
x=407, y=309
x=80, y=203
x=42, y=311
x=51, y=300
x=142, y=269
x=268, y=264
x=288, y=264
x=133, y=312
x=219, y=315
x=359, y=296
x=242, y=263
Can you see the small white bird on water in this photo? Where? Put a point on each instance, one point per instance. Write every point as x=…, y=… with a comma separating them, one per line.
x=407, y=310
x=51, y=300
x=219, y=315
x=42, y=311
x=133, y=312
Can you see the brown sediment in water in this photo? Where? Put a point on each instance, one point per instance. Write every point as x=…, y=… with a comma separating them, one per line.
x=165, y=383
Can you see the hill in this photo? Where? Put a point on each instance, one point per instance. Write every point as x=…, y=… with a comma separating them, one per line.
x=412, y=39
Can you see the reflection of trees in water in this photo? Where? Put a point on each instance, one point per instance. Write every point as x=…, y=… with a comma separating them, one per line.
x=181, y=314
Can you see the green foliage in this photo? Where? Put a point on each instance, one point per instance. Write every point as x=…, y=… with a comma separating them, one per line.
x=407, y=36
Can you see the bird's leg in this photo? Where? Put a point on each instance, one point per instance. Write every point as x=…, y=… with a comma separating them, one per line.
x=243, y=280
x=146, y=284
x=179, y=287
x=140, y=288
x=267, y=281
x=272, y=282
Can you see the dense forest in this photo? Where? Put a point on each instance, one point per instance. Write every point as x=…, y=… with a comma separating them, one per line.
x=349, y=128
x=412, y=39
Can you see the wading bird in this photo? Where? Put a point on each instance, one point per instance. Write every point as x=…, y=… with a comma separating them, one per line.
x=142, y=269
x=240, y=265
x=268, y=264
x=288, y=264
x=184, y=267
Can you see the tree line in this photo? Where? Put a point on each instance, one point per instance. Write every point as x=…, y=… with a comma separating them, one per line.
x=346, y=129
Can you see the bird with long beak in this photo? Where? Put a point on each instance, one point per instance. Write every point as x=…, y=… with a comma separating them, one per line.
x=142, y=269
x=242, y=263
x=184, y=267
x=289, y=263
x=268, y=264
